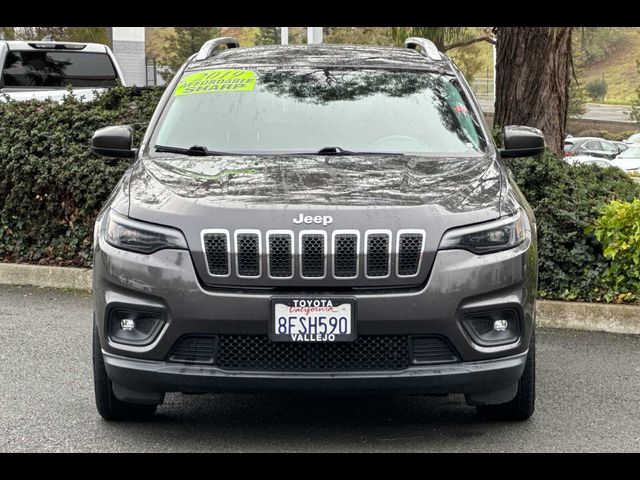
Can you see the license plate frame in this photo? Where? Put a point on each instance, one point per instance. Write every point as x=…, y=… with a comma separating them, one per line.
x=319, y=308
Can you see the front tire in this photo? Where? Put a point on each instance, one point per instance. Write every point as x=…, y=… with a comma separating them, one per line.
x=108, y=405
x=523, y=404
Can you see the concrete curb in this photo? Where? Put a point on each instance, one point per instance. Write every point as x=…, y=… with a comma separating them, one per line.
x=43, y=276
x=550, y=314
x=599, y=317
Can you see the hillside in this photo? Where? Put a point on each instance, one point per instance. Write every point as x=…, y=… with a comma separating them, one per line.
x=619, y=69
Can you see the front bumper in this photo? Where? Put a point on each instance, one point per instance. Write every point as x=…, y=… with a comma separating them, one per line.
x=459, y=283
x=467, y=377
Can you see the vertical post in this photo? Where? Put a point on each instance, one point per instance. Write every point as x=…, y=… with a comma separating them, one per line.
x=494, y=72
x=284, y=35
x=314, y=35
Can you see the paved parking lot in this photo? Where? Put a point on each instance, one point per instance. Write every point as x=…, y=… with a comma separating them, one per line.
x=588, y=400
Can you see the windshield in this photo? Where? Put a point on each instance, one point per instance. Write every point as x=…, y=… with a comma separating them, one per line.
x=58, y=69
x=279, y=110
x=631, y=152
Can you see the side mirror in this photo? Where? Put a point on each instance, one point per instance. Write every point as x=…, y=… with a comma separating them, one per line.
x=522, y=142
x=114, y=141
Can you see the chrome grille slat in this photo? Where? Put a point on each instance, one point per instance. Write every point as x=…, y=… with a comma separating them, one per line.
x=215, y=244
x=313, y=254
x=410, y=247
x=248, y=253
x=378, y=253
x=280, y=254
x=305, y=255
x=346, y=253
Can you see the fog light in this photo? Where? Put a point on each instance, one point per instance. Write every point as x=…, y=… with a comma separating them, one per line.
x=500, y=325
x=134, y=327
x=127, y=324
x=493, y=328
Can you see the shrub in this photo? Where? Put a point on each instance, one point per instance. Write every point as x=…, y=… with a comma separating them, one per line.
x=635, y=106
x=618, y=229
x=597, y=89
x=578, y=98
x=52, y=188
x=606, y=134
x=51, y=185
x=566, y=199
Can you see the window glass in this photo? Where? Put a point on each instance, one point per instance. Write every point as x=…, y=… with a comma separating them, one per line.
x=36, y=68
x=303, y=110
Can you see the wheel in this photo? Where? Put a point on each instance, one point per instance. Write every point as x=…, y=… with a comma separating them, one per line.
x=523, y=404
x=108, y=405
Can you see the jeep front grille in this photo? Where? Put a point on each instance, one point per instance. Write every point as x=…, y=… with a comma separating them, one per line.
x=314, y=254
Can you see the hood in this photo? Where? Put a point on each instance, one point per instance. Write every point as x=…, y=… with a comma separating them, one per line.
x=56, y=94
x=455, y=184
x=266, y=193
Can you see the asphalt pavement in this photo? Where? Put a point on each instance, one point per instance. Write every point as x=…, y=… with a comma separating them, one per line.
x=588, y=400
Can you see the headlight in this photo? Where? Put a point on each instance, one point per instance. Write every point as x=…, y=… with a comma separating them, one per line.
x=507, y=232
x=141, y=237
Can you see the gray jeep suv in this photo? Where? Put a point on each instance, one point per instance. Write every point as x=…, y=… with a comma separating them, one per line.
x=320, y=218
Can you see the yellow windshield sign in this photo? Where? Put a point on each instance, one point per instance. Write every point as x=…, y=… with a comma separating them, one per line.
x=210, y=81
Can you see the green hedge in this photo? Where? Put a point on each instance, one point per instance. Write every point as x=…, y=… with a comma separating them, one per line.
x=51, y=185
x=618, y=229
x=606, y=134
x=567, y=199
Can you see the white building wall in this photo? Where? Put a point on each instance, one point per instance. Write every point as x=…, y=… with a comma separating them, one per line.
x=128, y=48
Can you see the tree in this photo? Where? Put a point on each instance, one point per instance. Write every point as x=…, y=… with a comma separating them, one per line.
x=593, y=44
x=445, y=38
x=635, y=109
x=86, y=34
x=597, y=88
x=62, y=34
x=359, y=35
x=268, y=36
x=7, y=33
x=185, y=42
x=533, y=68
x=578, y=99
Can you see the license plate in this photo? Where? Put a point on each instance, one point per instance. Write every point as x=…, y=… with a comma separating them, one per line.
x=312, y=320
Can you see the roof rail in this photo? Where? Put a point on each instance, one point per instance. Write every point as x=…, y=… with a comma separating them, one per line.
x=428, y=48
x=208, y=48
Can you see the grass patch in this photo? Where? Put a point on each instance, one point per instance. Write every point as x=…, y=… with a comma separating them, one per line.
x=619, y=70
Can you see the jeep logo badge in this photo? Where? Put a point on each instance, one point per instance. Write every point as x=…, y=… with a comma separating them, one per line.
x=318, y=219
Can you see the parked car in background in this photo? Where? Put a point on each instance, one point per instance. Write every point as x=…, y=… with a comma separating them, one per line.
x=629, y=160
x=621, y=146
x=590, y=146
x=45, y=69
x=587, y=160
x=633, y=139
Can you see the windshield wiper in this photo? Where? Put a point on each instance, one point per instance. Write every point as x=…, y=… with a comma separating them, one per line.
x=193, y=151
x=340, y=151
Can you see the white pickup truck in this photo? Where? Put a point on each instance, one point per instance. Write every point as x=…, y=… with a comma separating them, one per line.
x=45, y=69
